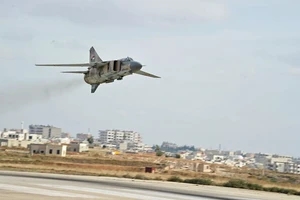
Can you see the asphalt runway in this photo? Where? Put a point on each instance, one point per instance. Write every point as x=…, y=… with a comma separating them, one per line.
x=28, y=186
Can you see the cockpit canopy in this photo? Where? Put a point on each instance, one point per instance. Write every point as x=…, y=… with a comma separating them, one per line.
x=127, y=59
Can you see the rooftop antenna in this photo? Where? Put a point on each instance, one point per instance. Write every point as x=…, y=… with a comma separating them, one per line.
x=22, y=126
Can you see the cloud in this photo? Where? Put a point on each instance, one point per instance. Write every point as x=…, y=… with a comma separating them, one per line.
x=173, y=11
x=294, y=71
x=68, y=43
x=292, y=59
x=124, y=13
x=16, y=36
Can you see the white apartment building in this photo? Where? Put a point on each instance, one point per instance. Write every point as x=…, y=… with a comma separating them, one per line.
x=18, y=138
x=45, y=131
x=286, y=167
x=117, y=136
x=19, y=134
x=293, y=167
x=283, y=164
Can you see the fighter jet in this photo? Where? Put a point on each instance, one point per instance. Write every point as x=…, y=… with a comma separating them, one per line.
x=100, y=71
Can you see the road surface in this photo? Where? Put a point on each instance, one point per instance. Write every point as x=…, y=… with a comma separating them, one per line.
x=28, y=186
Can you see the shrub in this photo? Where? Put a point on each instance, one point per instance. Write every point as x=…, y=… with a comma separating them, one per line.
x=175, y=179
x=236, y=184
x=140, y=176
x=159, y=153
x=273, y=179
x=127, y=176
x=158, y=178
x=199, y=181
x=251, y=186
x=243, y=184
x=255, y=186
x=282, y=190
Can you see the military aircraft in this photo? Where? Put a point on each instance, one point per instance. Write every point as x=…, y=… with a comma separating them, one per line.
x=100, y=71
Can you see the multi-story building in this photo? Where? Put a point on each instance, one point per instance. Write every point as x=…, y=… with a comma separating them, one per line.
x=106, y=137
x=82, y=136
x=45, y=131
x=286, y=167
x=118, y=136
x=18, y=138
x=263, y=159
x=19, y=134
x=65, y=135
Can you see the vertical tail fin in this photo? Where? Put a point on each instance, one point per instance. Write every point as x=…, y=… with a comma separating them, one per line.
x=94, y=57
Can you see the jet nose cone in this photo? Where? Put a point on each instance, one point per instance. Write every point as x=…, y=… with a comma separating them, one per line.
x=135, y=66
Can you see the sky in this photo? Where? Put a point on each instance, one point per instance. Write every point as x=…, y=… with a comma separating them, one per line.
x=230, y=70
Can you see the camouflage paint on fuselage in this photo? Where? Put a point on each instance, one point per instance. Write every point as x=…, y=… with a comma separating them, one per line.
x=115, y=69
x=100, y=71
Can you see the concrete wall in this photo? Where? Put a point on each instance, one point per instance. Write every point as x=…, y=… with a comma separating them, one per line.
x=37, y=149
x=123, y=146
x=48, y=149
x=34, y=137
x=199, y=167
x=81, y=147
x=14, y=143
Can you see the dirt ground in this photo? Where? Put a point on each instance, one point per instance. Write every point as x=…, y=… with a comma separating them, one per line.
x=99, y=163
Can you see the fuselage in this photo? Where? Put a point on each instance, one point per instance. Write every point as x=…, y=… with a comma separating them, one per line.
x=115, y=69
x=100, y=71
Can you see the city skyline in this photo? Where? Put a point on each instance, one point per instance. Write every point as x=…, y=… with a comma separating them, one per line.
x=230, y=69
x=216, y=146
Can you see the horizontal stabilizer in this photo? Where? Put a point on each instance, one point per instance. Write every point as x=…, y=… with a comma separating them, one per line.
x=140, y=72
x=75, y=72
x=66, y=65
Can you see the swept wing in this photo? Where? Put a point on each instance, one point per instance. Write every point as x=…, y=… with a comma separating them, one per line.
x=75, y=72
x=66, y=65
x=140, y=72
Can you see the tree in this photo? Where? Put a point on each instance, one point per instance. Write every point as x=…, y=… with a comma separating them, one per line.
x=90, y=140
x=157, y=148
x=159, y=153
x=177, y=156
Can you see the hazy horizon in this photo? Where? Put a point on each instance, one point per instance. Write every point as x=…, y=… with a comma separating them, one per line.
x=230, y=70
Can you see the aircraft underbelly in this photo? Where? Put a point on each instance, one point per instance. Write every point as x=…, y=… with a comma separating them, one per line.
x=96, y=79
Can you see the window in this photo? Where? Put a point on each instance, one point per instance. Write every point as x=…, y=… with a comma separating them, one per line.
x=50, y=151
x=58, y=151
